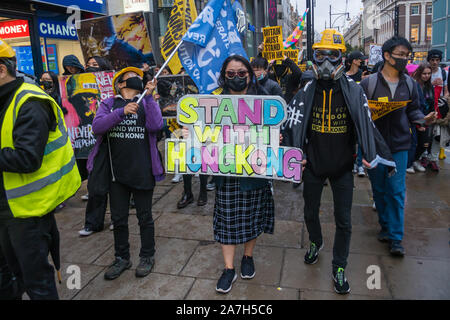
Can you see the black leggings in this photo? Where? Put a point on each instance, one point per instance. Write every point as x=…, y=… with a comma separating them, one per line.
x=187, y=180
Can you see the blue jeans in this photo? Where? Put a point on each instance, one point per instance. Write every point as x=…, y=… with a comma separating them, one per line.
x=359, y=157
x=389, y=196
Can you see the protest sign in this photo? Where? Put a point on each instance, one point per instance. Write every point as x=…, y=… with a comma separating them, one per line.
x=81, y=95
x=381, y=108
x=273, y=43
x=233, y=135
x=170, y=90
x=122, y=39
x=292, y=54
x=375, y=55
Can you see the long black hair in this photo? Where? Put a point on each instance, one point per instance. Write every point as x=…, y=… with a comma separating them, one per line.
x=253, y=85
x=55, y=89
x=103, y=64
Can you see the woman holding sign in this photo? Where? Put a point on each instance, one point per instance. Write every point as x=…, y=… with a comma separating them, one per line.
x=244, y=207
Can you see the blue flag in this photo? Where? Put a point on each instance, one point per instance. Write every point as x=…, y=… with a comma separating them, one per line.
x=208, y=42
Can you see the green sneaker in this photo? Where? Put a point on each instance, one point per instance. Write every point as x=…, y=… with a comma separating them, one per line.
x=312, y=255
x=341, y=285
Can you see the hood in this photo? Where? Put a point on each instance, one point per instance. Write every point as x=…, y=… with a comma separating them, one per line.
x=72, y=60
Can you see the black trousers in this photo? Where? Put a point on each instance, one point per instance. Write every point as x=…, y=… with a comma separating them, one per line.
x=24, y=265
x=95, y=212
x=342, y=188
x=187, y=181
x=119, y=198
x=82, y=164
x=423, y=138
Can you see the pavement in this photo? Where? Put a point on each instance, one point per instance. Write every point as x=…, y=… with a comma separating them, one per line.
x=189, y=261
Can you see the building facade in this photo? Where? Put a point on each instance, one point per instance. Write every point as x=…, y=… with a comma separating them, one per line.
x=441, y=27
x=353, y=34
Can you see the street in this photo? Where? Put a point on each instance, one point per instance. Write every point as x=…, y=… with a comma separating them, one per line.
x=189, y=261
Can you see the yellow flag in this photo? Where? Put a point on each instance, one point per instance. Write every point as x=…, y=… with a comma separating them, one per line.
x=183, y=14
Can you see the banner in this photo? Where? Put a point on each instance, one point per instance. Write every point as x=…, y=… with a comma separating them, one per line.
x=292, y=54
x=297, y=33
x=273, y=43
x=210, y=40
x=170, y=90
x=381, y=108
x=122, y=39
x=81, y=95
x=181, y=17
x=232, y=135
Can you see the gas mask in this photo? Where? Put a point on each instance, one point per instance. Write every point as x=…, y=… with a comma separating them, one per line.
x=328, y=64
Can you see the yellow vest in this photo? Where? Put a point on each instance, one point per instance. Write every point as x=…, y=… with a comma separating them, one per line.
x=36, y=194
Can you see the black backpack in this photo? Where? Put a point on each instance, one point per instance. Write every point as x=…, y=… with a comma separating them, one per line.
x=373, y=79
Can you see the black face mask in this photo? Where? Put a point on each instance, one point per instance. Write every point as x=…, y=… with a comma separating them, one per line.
x=92, y=69
x=134, y=83
x=400, y=64
x=47, y=85
x=236, y=84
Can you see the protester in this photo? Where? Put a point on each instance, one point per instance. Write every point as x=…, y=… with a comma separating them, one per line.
x=38, y=173
x=72, y=65
x=244, y=207
x=260, y=65
x=324, y=120
x=354, y=64
x=388, y=85
x=134, y=164
x=96, y=63
x=288, y=76
x=49, y=83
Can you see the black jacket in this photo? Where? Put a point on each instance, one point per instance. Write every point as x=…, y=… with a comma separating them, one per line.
x=71, y=60
x=373, y=146
x=394, y=127
x=30, y=134
x=272, y=87
x=288, y=81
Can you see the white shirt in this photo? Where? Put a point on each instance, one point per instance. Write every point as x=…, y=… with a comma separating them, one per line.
x=438, y=75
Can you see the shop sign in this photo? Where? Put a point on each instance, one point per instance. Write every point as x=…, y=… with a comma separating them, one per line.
x=49, y=28
x=95, y=6
x=14, y=29
x=136, y=5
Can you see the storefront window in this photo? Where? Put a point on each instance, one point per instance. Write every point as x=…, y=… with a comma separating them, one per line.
x=414, y=33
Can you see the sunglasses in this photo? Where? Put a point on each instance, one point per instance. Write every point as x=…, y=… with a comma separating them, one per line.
x=232, y=74
x=331, y=55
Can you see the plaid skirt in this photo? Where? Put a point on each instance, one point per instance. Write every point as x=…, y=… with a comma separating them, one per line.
x=241, y=216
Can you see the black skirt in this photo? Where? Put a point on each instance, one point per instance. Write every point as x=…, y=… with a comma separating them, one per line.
x=241, y=216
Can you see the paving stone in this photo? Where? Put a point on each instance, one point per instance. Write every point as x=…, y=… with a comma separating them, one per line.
x=67, y=289
x=71, y=219
x=204, y=289
x=170, y=257
x=297, y=274
x=127, y=287
x=433, y=243
x=286, y=234
x=415, y=278
x=175, y=225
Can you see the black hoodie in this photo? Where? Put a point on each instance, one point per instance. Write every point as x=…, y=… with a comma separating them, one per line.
x=72, y=60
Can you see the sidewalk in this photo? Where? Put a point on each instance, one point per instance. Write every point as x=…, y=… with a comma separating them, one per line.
x=189, y=262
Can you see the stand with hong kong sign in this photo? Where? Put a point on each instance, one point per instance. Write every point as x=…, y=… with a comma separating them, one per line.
x=233, y=135
x=273, y=43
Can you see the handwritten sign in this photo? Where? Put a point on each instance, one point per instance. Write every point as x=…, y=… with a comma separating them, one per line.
x=381, y=108
x=232, y=135
x=375, y=54
x=292, y=54
x=273, y=43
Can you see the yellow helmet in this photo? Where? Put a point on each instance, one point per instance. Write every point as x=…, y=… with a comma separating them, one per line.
x=331, y=39
x=5, y=50
x=125, y=70
x=82, y=83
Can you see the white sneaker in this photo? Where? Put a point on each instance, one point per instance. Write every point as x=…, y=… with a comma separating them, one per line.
x=177, y=178
x=410, y=170
x=111, y=227
x=418, y=167
x=374, y=207
x=85, y=197
x=355, y=168
x=361, y=172
x=85, y=232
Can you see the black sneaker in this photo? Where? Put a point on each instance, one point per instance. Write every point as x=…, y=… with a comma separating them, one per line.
x=396, y=248
x=247, y=268
x=115, y=270
x=383, y=236
x=225, y=282
x=341, y=285
x=145, y=266
x=312, y=255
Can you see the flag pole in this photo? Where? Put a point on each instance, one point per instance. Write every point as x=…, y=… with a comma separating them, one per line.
x=162, y=68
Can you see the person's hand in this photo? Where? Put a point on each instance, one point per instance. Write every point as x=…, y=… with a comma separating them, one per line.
x=281, y=138
x=261, y=47
x=366, y=164
x=437, y=82
x=131, y=108
x=421, y=129
x=150, y=86
x=303, y=164
x=430, y=118
x=185, y=132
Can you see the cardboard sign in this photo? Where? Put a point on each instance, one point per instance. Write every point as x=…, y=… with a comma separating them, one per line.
x=381, y=108
x=292, y=54
x=170, y=89
x=232, y=135
x=81, y=95
x=273, y=43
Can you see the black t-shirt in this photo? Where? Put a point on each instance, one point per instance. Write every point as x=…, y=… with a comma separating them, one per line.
x=130, y=150
x=331, y=138
x=357, y=77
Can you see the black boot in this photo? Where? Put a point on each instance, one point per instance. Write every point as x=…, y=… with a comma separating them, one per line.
x=185, y=200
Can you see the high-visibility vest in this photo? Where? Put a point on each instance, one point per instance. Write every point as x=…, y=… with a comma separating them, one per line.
x=38, y=193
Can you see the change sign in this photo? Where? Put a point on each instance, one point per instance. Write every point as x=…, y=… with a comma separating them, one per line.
x=232, y=135
x=273, y=43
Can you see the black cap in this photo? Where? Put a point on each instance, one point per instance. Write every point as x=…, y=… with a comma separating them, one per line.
x=356, y=55
x=434, y=53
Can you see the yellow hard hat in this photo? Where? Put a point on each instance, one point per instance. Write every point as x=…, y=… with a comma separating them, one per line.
x=123, y=71
x=82, y=83
x=331, y=39
x=5, y=50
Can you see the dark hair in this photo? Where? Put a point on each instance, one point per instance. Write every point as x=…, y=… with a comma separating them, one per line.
x=10, y=64
x=394, y=42
x=55, y=88
x=103, y=64
x=259, y=62
x=253, y=83
x=433, y=53
x=417, y=75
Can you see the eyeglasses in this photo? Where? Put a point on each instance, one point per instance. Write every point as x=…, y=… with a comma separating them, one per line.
x=332, y=55
x=231, y=74
x=401, y=55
